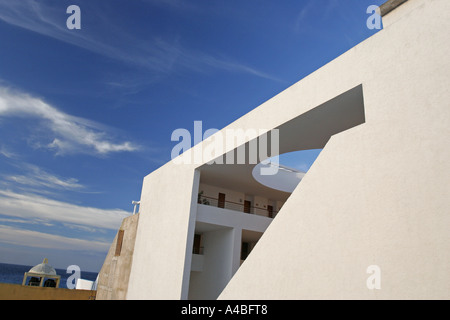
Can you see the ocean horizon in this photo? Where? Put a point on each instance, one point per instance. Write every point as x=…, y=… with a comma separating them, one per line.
x=13, y=273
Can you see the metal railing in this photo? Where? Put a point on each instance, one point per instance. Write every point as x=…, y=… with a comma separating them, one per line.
x=241, y=207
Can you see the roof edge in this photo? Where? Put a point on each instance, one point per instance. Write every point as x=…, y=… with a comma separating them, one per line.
x=390, y=5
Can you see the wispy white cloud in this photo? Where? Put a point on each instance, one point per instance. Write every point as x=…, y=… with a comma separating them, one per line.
x=4, y=151
x=313, y=10
x=84, y=228
x=32, y=207
x=302, y=15
x=71, y=134
x=21, y=211
x=175, y=4
x=30, y=238
x=203, y=62
x=37, y=177
x=42, y=18
x=155, y=54
x=25, y=221
x=233, y=66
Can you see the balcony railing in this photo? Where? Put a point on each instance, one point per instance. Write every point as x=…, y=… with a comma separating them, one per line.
x=236, y=206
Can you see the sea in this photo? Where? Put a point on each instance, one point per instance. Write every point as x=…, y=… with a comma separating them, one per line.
x=13, y=273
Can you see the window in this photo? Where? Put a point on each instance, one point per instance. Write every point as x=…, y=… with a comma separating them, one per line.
x=245, y=250
x=119, y=242
x=221, y=202
x=196, y=248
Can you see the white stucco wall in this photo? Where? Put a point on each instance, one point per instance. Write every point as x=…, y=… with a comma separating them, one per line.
x=378, y=193
x=161, y=241
x=260, y=205
x=230, y=195
x=219, y=247
x=232, y=219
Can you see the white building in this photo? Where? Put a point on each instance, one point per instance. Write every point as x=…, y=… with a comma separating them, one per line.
x=377, y=197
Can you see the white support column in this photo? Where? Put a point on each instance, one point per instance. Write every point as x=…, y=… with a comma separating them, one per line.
x=190, y=237
x=237, y=243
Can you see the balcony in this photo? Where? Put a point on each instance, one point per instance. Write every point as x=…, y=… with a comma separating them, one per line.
x=245, y=207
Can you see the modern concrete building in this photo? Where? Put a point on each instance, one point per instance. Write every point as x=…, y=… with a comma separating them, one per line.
x=369, y=220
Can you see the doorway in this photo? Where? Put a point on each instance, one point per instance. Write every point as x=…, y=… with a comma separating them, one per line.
x=247, y=206
x=221, y=201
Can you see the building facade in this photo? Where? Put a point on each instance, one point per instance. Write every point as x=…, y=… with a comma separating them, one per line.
x=376, y=198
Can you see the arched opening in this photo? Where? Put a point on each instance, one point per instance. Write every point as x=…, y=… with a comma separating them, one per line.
x=292, y=167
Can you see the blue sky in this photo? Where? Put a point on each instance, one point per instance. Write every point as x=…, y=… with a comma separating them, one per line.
x=86, y=114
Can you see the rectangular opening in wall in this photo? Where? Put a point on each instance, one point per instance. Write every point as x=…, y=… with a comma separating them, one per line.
x=270, y=211
x=119, y=242
x=308, y=131
x=247, y=206
x=197, y=249
x=245, y=250
x=221, y=201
